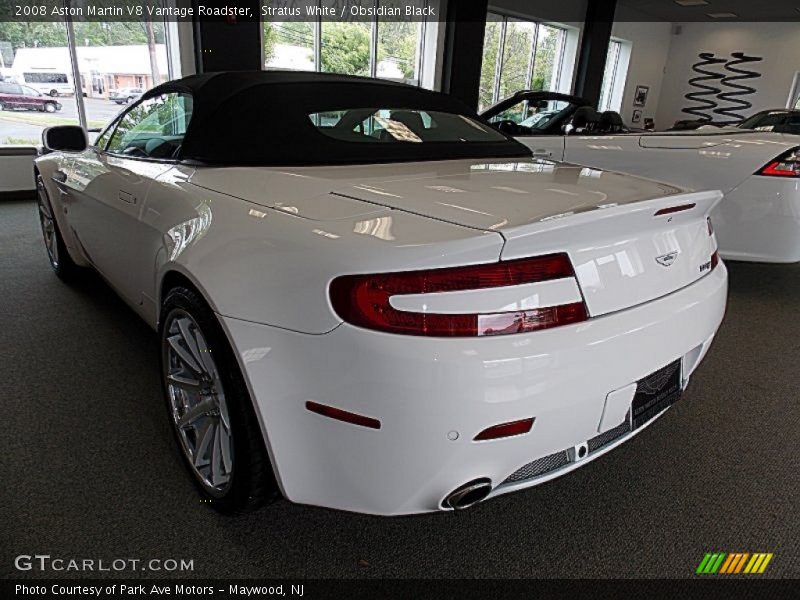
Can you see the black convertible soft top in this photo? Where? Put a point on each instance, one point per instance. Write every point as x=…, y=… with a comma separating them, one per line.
x=262, y=118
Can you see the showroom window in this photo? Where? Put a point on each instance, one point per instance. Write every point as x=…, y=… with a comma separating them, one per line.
x=614, y=76
x=381, y=47
x=518, y=55
x=116, y=63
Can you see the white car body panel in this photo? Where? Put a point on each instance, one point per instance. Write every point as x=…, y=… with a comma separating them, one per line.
x=759, y=218
x=263, y=244
x=423, y=389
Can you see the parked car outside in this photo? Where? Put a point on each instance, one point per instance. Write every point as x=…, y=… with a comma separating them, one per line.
x=125, y=95
x=14, y=96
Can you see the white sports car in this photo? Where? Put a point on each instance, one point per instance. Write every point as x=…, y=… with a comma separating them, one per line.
x=376, y=302
x=757, y=167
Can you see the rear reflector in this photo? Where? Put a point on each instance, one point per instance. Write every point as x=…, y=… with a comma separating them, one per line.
x=714, y=259
x=342, y=415
x=674, y=209
x=786, y=165
x=363, y=300
x=505, y=430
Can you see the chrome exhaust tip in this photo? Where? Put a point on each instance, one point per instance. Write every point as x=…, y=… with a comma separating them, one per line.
x=468, y=494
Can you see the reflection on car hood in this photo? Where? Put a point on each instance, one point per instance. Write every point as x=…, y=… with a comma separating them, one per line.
x=490, y=195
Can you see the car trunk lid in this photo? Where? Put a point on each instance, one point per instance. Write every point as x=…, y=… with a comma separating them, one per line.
x=631, y=240
x=624, y=254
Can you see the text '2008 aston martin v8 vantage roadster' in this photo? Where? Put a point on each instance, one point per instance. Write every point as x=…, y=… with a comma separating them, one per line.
x=369, y=299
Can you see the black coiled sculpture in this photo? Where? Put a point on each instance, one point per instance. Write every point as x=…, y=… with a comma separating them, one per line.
x=709, y=96
x=732, y=97
x=707, y=59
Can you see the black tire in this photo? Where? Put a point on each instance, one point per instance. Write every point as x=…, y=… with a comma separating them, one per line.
x=49, y=107
x=252, y=482
x=54, y=93
x=57, y=253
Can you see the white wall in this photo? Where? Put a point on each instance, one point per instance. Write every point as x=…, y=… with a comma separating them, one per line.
x=776, y=43
x=648, y=43
x=16, y=172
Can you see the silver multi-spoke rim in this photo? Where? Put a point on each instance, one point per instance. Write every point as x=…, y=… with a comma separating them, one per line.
x=197, y=402
x=48, y=226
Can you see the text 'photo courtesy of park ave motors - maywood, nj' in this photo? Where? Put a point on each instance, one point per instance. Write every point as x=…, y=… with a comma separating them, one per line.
x=203, y=10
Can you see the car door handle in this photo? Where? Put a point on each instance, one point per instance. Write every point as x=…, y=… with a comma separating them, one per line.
x=126, y=197
x=542, y=152
x=59, y=177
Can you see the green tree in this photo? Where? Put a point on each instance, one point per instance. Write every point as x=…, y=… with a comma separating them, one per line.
x=345, y=48
x=397, y=42
x=491, y=46
x=28, y=35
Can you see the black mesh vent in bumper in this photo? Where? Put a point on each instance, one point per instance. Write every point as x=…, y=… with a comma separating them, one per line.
x=609, y=436
x=540, y=466
x=546, y=464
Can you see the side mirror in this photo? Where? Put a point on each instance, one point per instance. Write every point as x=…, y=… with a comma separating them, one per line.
x=64, y=138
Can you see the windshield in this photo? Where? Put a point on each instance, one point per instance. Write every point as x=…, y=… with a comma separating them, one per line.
x=789, y=122
x=537, y=116
x=391, y=125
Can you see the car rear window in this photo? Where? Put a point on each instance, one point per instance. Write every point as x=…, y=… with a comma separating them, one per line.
x=406, y=126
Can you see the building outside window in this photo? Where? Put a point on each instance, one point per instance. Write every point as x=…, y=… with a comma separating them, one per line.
x=116, y=63
x=380, y=47
x=520, y=54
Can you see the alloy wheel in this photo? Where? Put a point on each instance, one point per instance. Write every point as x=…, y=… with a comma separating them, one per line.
x=48, y=224
x=197, y=402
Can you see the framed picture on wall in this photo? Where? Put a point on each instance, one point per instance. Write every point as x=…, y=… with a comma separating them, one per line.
x=640, y=97
x=637, y=116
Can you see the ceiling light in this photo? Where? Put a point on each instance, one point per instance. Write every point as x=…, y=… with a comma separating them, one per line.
x=691, y=2
x=722, y=15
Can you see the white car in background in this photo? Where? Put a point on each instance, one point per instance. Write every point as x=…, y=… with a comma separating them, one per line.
x=380, y=309
x=125, y=95
x=758, y=171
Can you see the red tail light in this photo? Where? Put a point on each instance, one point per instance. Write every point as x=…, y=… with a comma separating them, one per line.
x=363, y=300
x=714, y=259
x=786, y=165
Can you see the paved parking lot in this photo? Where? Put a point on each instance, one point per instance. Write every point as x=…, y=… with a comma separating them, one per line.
x=97, y=110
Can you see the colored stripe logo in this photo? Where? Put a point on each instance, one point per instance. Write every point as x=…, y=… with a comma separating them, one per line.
x=734, y=563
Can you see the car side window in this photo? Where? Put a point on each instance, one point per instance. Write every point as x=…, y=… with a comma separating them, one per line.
x=153, y=128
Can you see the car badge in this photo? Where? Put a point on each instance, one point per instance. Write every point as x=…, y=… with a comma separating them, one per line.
x=666, y=260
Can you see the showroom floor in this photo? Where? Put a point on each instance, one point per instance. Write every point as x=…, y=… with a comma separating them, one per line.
x=89, y=467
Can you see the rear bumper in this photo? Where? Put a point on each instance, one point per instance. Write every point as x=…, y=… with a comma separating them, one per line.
x=759, y=221
x=434, y=395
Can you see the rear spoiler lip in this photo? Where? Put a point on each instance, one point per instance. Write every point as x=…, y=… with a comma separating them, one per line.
x=704, y=201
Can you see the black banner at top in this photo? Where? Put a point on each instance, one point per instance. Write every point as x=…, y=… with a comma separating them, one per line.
x=231, y=11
